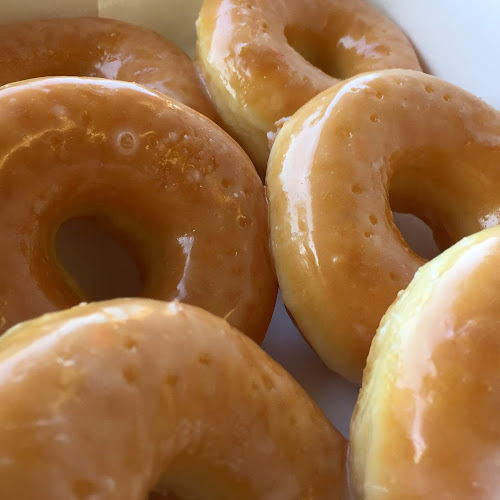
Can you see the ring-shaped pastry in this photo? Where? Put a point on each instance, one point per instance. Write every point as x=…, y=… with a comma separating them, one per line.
x=103, y=48
x=251, y=56
x=180, y=194
x=389, y=140
x=426, y=422
x=103, y=400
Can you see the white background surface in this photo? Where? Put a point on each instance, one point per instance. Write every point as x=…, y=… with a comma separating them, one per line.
x=458, y=40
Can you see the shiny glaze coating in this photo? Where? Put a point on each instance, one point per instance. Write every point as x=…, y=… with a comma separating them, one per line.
x=103, y=48
x=430, y=147
x=176, y=189
x=426, y=423
x=246, y=51
x=102, y=400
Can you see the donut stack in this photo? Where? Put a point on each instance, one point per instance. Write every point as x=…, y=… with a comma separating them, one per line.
x=276, y=158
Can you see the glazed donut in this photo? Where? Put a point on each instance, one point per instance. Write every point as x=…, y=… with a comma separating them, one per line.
x=179, y=192
x=104, y=48
x=428, y=147
x=246, y=51
x=431, y=388
x=107, y=398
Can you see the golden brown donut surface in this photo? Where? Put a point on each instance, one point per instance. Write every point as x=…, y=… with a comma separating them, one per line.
x=246, y=50
x=392, y=139
x=426, y=424
x=102, y=400
x=179, y=192
x=102, y=48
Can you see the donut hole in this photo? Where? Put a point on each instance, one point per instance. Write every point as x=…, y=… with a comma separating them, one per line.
x=417, y=234
x=434, y=199
x=309, y=45
x=97, y=260
x=406, y=206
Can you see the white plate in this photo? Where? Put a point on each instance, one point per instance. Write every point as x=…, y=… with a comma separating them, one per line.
x=458, y=40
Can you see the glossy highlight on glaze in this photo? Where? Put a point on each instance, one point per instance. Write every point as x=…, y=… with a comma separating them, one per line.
x=103, y=48
x=426, y=422
x=388, y=140
x=262, y=60
x=110, y=400
x=174, y=188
